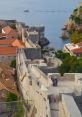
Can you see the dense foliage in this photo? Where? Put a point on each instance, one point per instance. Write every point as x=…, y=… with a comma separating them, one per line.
x=76, y=37
x=60, y=54
x=75, y=16
x=18, y=109
x=13, y=64
x=11, y=97
x=71, y=64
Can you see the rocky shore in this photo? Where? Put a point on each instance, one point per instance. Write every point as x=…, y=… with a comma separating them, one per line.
x=43, y=42
x=73, y=28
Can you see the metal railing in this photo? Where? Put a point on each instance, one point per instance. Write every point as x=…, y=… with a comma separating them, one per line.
x=14, y=108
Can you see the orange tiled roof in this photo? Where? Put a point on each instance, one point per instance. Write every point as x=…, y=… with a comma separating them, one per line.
x=8, y=29
x=7, y=82
x=7, y=50
x=80, y=44
x=1, y=35
x=6, y=41
x=12, y=42
x=2, y=86
x=18, y=43
x=77, y=51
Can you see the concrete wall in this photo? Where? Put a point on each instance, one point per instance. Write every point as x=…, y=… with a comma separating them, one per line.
x=40, y=76
x=69, y=106
x=47, y=69
x=39, y=29
x=33, y=36
x=29, y=42
x=7, y=58
x=78, y=82
x=33, y=53
x=66, y=76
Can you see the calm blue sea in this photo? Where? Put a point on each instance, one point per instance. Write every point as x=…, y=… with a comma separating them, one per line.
x=53, y=14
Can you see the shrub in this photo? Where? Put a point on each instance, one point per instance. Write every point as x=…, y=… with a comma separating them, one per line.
x=13, y=64
x=11, y=97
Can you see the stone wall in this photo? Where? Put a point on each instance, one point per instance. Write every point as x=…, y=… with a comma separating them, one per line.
x=7, y=59
x=33, y=53
x=66, y=76
x=19, y=26
x=31, y=91
x=33, y=36
x=47, y=69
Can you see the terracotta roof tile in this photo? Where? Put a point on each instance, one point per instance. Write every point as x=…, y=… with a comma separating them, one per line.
x=7, y=82
x=80, y=44
x=18, y=43
x=2, y=86
x=12, y=42
x=7, y=50
x=77, y=51
x=1, y=35
x=8, y=29
x=6, y=41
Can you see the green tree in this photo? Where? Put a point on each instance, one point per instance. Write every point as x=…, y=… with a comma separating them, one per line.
x=60, y=54
x=71, y=65
x=75, y=37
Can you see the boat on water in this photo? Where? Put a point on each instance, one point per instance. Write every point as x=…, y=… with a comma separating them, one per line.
x=26, y=10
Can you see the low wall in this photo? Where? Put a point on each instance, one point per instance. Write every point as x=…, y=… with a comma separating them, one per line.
x=7, y=59
x=47, y=70
x=66, y=76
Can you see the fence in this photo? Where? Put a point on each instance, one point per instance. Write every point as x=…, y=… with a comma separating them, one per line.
x=12, y=109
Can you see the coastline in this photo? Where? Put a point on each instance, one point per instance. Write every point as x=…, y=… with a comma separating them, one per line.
x=73, y=28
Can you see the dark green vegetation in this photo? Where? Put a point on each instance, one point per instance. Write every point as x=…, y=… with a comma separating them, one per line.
x=13, y=64
x=71, y=64
x=62, y=55
x=11, y=97
x=76, y=15
x=80, y=10
x=20, y=110
x=76, y=37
